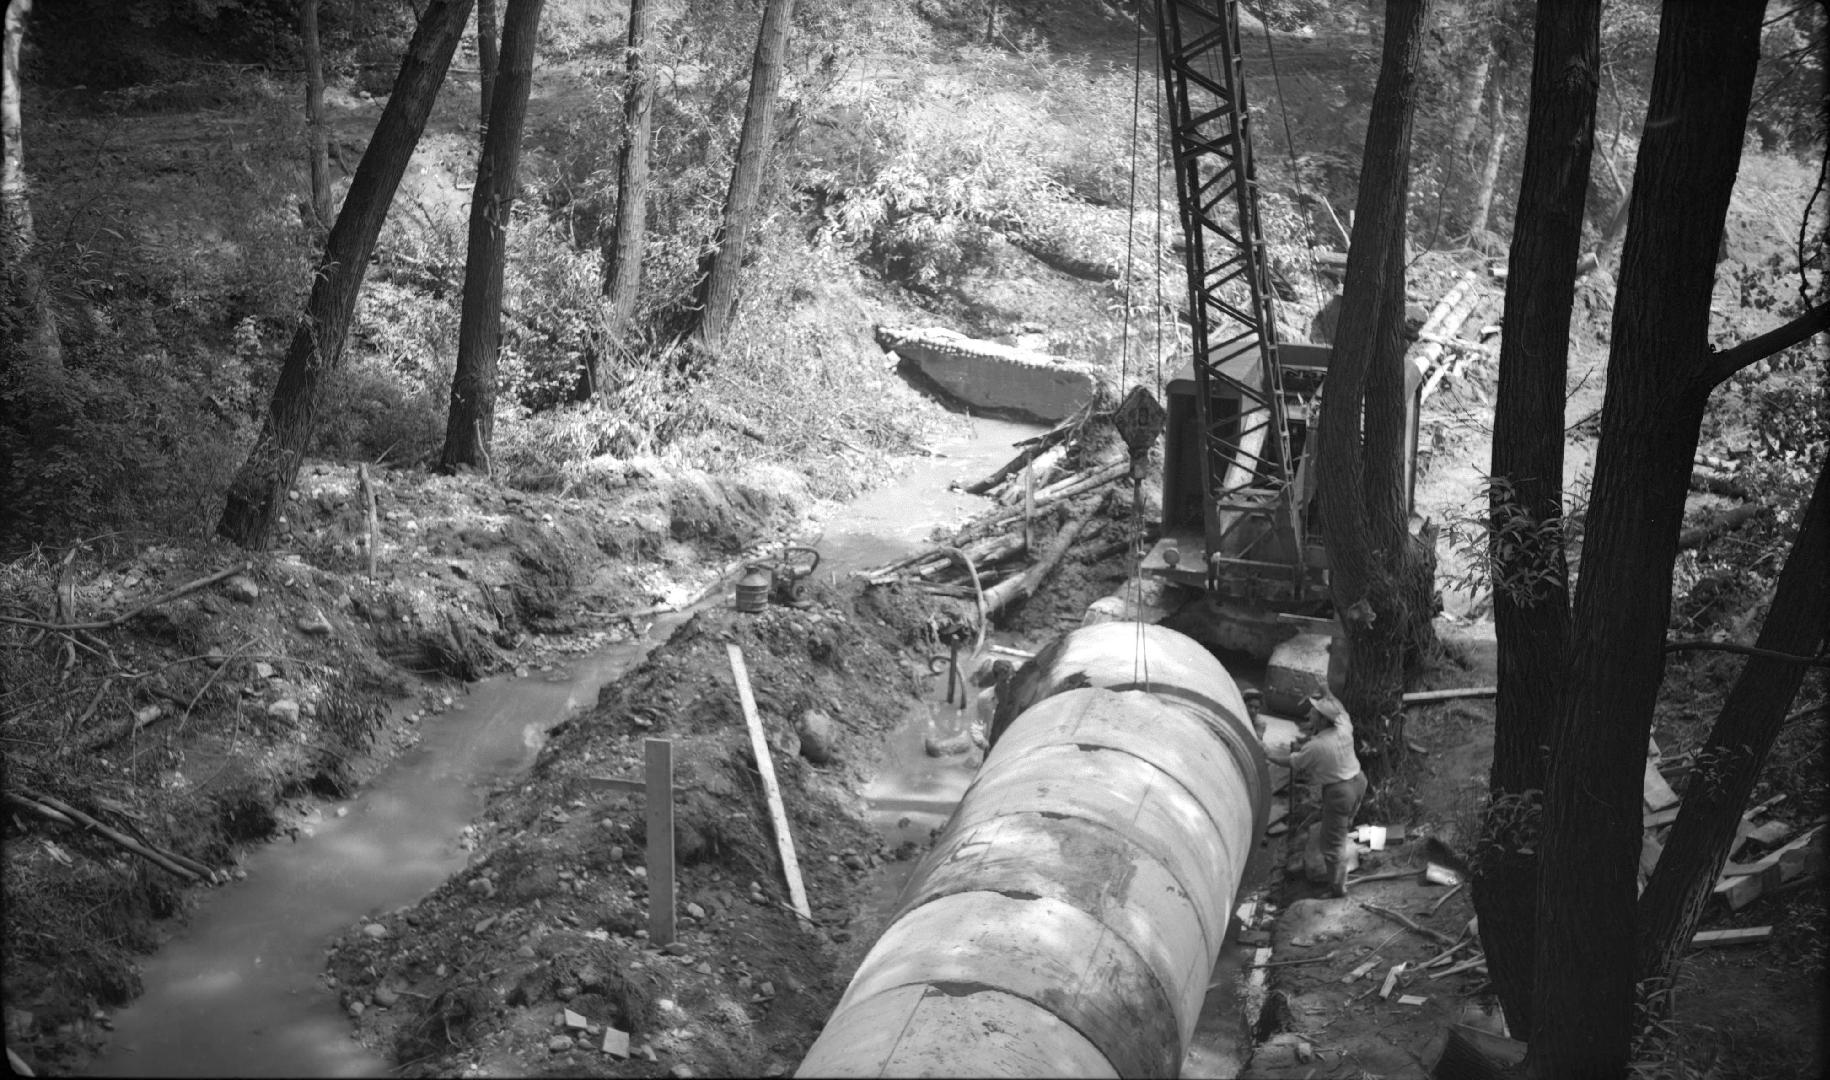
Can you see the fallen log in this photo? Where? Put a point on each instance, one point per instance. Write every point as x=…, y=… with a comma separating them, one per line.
x=1044, y=499
x=1006, y=593
x=1702, y=479
x=1032, y=449
x=1441, y=327
x=1043, y=471
x=1728, y=522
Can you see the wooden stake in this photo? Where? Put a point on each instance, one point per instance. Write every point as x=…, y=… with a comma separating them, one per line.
x=765, y=764
x=368, y=502
x=658, y=755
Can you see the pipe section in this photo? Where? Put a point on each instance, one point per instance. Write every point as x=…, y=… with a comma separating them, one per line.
x=1070, y=914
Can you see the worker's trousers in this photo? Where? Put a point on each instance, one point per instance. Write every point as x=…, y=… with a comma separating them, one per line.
x=1340, y=801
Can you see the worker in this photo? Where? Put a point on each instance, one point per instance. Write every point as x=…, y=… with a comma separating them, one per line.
x=1325, y=754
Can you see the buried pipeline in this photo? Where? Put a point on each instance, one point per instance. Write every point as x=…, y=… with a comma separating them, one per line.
x=1069, y=916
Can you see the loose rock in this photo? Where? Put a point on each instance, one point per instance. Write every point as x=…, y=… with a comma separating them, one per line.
x=285, y=710
x=819, y=735
x=375, y=930
x=314, y=623
x=241, y=587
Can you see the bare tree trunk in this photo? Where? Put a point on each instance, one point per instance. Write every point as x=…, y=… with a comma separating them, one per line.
x=34, y=333
x=472, y=418
x=488, y=59
x=1660, y=374
x=318, y=150
x=623, y=254
x=1737, y=748
x=718, y=294
x=259, y=488
x=1531, y=577
x=1363, y=484
x=1490, y=171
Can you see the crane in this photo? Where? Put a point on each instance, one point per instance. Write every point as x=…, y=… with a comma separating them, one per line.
x=1238, y=487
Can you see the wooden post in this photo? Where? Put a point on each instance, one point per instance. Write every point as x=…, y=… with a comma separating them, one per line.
x=368, y=502
x=659, y=756
x=765, y=764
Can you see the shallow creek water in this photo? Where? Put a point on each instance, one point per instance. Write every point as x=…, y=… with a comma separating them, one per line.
x=237, y=990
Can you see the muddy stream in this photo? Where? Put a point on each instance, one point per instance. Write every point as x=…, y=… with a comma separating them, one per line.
x=237, y=991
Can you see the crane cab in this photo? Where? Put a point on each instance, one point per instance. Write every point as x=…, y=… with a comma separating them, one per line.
x=1268, y=557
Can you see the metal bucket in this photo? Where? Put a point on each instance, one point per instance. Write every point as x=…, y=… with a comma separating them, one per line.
x=753, y=588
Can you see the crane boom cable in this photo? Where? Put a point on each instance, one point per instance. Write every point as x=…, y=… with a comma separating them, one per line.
x=1283, y=112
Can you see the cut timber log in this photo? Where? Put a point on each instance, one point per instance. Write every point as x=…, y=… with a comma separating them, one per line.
x=1014, y=590
x=1048, y=497
x=1442, y=326
x=1728, y=522
x=1044, y=470
x=1715, y=483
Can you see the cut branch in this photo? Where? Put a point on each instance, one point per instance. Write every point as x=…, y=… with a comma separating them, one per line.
x=109, y=624
x=1409, y=924
x=54, y=810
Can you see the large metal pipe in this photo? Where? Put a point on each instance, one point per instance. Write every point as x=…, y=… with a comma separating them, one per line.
x=1070, y=914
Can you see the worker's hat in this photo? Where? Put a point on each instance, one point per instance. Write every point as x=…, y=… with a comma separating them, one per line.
x=1328, y=705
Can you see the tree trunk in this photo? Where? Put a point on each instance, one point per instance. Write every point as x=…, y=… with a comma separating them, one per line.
x=623, y=254
x=1363, y=485
x=1797, y=622
x=259, y=488
x=488, y=59
x=32, y=329
x=1473, y=92
x=1525, y=542
x=472, y=418
x=1490, y=171
x=1658, y=384
x=718, y=294
x=318, y=148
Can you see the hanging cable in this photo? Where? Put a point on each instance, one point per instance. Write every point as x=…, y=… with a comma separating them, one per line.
x=1137, y=89
x=1296, y=172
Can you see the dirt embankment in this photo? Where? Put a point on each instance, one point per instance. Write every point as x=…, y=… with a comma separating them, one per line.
x=218, y=718
x=539, y=951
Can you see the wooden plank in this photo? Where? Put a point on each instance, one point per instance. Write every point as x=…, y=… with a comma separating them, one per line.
x=1794, y=865
x=1735, y=870
x=1657, y=793
x=658, y=757
x=1412, y=999
x=1751, y=935
x=1649, y=851
x=1391, y=979
x=1365, y=966
x=765, y=764
x=1260, y=959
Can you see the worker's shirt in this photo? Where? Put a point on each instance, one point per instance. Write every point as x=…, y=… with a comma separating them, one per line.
x=1328, y=758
